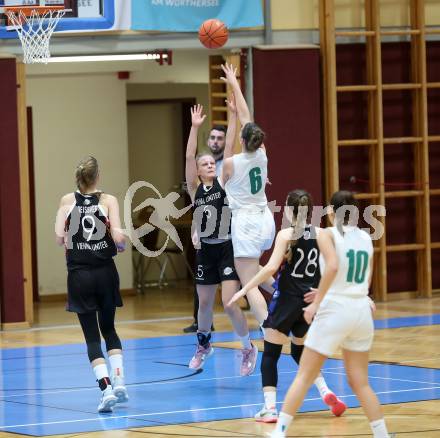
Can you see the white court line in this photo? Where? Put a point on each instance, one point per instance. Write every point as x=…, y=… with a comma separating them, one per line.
x=117, y=323
x=389, y=378
x=210, y=379
x=117, y=417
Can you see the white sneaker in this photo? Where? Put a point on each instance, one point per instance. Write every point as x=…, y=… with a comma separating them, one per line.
x=108, y=400
x=119, y=389
x=266, y=415
x=200, y=356
x=276, y=435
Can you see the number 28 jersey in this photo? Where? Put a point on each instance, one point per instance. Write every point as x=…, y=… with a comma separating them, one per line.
x=246, y=187
x=354, y=250
x=302, y=273
x=89, y=242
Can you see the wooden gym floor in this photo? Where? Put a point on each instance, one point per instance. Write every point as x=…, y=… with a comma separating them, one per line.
x=166, y=312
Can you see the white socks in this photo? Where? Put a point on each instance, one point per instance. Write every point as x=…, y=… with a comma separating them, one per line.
x=116, y=365
x=321, y=385
x=246, y=341
x=270, y=399
x=283, y=424
x=379, y=429
x=102, y=377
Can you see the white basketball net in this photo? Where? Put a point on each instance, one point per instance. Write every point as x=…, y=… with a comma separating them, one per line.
x=35, y=32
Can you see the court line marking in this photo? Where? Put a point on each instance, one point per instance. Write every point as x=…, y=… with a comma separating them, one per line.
x=186, y=411
x=117, y=323
x=330, y=370
x=183, y=318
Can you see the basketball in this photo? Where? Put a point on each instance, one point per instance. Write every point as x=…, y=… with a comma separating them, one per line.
x=213, y=33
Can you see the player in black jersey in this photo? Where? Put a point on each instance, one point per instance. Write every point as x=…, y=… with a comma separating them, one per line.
x=296, y=252
x=89, y=227
x=214, y=258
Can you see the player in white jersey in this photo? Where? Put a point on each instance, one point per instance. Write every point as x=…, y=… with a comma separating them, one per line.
x=341, y=314
x=245, y=177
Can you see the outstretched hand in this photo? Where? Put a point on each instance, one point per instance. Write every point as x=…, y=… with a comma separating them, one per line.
x=241, y=293
x=197, y=116
x=310, y=312
x=230, y=73
x=310, y=295
x=232, y=107
x=372, y=305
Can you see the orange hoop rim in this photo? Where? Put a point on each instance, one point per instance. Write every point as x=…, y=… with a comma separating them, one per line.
x=27, y=10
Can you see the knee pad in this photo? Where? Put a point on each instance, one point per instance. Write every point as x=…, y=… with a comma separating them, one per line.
x=269, y=361
x=94, y=351
x=296, y=352
x=112, y=341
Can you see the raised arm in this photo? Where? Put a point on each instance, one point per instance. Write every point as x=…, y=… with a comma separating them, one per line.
x=197, y=118
x=230, y=78
x=232, y=127
x=272, y=266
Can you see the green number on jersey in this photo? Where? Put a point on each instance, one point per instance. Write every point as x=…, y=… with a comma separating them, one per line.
x=256, y=181
x=357, y=266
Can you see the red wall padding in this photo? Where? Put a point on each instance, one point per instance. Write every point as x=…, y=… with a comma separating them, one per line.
x=399, y=168
x=287, y=106
x=11, y=259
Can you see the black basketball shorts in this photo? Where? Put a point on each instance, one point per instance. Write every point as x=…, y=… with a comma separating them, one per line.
x=215, y=263
x=93, y=288
x=286, y=314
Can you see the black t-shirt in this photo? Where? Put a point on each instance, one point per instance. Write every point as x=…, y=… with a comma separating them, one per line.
x=211, y=212
x=89, y=242
x=302, y=273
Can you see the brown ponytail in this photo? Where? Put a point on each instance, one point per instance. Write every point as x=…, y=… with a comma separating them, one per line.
x=296, y=199
x=86, y=173
x=252, y=136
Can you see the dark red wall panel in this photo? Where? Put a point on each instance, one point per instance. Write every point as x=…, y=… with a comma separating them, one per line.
x=287, y=106
x=11, y=281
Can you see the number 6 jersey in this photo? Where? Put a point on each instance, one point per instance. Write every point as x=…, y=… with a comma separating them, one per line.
x=246, y=187
x=89, y=242
x=354, y=249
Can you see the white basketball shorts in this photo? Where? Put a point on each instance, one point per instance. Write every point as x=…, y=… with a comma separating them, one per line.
x=341, y=322
x=252, y=231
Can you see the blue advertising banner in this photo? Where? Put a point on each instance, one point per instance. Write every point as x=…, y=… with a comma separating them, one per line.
x=188, y=15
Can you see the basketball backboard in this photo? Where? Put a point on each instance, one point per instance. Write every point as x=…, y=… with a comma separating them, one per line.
x=83, y=15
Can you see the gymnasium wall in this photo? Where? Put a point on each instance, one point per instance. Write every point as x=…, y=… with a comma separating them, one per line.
x=73, y=116
x=11, y=250
x=80, y=109
x=399, y=169
x=139, y=89
x=304, y=14
x=286, y=88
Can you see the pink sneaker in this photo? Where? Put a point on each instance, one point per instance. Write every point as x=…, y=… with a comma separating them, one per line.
x=199, y=358
x=337, y=406
x=249, y=359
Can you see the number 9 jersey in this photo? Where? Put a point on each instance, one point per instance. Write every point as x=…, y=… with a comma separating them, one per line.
x=89, y=242
x=354, y=250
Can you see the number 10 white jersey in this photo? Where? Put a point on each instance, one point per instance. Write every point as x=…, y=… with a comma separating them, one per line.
x=355, y=253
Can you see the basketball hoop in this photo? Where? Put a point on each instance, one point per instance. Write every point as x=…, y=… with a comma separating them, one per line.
x=35, y=25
